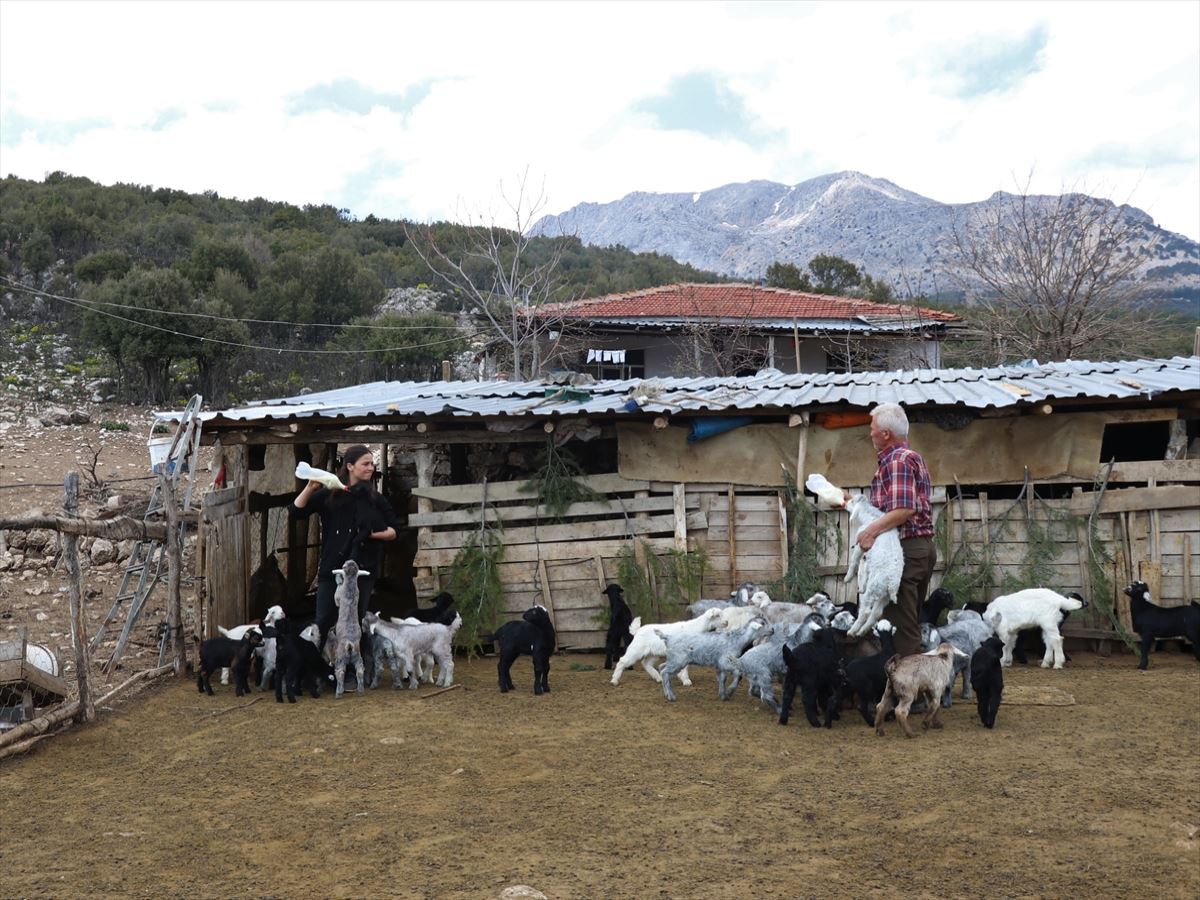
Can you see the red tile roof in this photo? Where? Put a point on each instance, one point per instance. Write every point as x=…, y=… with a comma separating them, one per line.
x=738, y=301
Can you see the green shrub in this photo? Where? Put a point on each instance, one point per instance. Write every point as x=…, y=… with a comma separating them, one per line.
x=117, y=426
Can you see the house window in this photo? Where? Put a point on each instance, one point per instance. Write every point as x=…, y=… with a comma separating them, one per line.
x=602, y=366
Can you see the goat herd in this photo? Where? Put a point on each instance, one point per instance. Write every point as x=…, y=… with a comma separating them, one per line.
x=808, y=646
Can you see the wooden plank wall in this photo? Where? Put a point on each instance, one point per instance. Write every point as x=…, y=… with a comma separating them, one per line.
x=753, y=549
x=227, y=543
x=565, y=565
x=1150, y=532
x=1159, y=545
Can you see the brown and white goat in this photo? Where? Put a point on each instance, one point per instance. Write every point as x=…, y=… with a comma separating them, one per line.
x=909, y=678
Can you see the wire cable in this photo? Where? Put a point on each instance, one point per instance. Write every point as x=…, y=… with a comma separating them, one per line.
x=211, y=340
x=16, y=285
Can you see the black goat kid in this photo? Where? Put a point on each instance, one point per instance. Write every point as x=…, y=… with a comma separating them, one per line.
x=816, y=668
x=533, y=634
x=1152, y=622
x=987, y=679
x=225, y=653
x=620, y=618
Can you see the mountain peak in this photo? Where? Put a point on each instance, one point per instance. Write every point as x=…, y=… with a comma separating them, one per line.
x=739, y=229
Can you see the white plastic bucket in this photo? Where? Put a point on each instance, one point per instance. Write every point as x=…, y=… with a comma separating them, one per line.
x=158, y=447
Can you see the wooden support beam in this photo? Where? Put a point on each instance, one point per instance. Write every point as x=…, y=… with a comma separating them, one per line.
x=1187, y=570
x=547, y=597
x=340, y=433
x=783, y=535
x=680, y=510
x=1150, y=572
x=174, y=554
x=733, y=567
x=118, y=528
x=1154, y=526
x=599, y=561
x=462, y=494
x=424, y=462
x=469, y=515
x=75, y=594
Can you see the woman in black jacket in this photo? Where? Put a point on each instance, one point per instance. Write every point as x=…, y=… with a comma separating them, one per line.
x=354, y=525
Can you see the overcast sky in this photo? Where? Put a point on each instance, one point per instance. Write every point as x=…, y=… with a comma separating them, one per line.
x=423, y=111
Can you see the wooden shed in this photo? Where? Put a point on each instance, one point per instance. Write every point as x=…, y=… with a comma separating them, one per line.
x=1079, y=475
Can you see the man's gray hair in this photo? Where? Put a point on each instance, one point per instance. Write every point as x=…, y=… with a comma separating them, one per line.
x=891, y=417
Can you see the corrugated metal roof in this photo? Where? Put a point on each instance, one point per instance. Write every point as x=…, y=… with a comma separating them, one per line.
x=998, y=386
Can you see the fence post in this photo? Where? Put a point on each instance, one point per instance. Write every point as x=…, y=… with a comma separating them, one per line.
x=174, y=573
x=70, y=542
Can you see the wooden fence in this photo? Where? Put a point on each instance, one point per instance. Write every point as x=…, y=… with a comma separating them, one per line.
x=1147, y=532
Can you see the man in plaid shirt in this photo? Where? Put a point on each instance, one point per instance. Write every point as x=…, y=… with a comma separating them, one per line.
x=901, y=489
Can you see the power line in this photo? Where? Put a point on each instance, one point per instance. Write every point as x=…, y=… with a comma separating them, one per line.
x=212, y=340
x=194, y=315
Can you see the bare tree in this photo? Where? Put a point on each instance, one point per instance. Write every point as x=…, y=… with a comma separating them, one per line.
x=1054, y=277
x=502, y=280
x=719, y=345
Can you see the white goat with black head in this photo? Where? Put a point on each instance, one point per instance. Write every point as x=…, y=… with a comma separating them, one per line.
x=347, y=634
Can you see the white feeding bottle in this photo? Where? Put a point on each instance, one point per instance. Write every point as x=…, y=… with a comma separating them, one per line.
x=305, y=472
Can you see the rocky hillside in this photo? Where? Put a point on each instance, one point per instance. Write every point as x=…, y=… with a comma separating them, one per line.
x=907, y=239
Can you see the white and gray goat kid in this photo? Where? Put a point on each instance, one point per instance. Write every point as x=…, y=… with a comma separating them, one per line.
x=878, y=570
x=347, y=633
x=647, y=645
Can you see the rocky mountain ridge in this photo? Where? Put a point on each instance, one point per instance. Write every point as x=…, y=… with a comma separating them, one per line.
x=905, y=238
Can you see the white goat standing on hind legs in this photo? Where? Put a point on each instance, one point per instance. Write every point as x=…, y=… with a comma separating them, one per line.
x=878, y=570
x=347, y=634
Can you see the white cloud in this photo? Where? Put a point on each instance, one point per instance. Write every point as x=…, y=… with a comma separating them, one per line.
x=1107, y=95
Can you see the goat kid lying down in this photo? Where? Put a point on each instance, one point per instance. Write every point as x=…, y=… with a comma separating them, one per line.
x=878, y=570
x=646, y=646
x=909, y=678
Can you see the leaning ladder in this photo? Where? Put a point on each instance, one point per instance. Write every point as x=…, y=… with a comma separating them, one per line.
x=142, y=570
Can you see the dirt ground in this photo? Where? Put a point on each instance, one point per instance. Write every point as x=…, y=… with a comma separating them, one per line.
x=594, y=791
